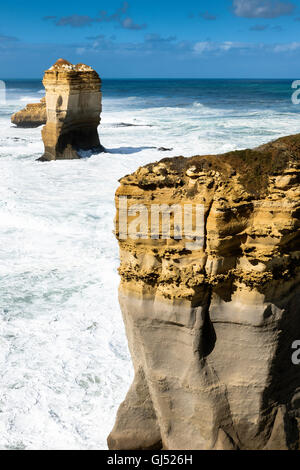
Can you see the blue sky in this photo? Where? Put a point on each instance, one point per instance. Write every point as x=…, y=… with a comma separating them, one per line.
x=153, y=38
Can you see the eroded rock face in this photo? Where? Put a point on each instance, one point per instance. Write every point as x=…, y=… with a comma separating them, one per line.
x=211, y=330
x=73, y=98
x=34, y=115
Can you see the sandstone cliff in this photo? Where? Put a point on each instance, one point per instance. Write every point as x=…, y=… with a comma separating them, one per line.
x=34, y=115
x=73, y=99
x=210, y=331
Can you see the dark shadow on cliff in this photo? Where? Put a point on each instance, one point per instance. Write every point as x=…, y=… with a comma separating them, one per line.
x=206, y=339
x=209, y=336
x=284, y=375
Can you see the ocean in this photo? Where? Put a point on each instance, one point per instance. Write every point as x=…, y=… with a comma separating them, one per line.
x=64, y=361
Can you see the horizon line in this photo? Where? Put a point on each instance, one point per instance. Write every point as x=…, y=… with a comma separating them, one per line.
x=167, y=78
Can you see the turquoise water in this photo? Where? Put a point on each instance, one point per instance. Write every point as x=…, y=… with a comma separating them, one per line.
x=247, y=94
x=240, y=94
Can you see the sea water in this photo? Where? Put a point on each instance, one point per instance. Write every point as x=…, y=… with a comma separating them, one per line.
x=64, y=360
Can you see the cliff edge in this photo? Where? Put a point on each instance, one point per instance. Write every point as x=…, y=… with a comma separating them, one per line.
x=211, y=326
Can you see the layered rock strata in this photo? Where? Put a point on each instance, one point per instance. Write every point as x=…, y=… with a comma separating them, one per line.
x=33, y=115
x=73, y=99
x=211, y=329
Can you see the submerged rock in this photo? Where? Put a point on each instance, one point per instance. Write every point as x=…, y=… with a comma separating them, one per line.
x=33, y=115
x=211, y=329
x=73, y=97
x=164, y=149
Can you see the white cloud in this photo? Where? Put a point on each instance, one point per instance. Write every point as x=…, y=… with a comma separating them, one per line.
x=262, y=8
x=209, y=46
x=290, y=47
x=201, y=47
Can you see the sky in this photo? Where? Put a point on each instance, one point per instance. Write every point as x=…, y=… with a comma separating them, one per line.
x=153, y=38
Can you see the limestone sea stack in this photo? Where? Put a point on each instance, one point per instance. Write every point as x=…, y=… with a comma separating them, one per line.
x=73, y=100
x=33, y=115
x=211, y=330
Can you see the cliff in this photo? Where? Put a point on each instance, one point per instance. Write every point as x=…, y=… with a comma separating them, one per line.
x=211, y=326
x=73, y=100
x=33, y=115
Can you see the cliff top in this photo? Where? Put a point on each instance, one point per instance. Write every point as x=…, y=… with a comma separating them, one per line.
x=252, y=167
x=66, y=66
